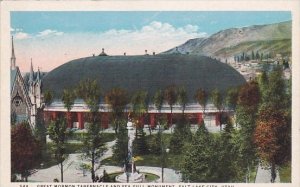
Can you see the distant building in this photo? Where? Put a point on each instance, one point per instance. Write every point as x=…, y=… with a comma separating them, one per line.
x=26, y=97
x=143, y=72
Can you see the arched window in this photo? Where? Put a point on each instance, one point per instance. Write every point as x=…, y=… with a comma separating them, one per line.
x=17, y=100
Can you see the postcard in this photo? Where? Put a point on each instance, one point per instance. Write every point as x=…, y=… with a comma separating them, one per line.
x=149, y=93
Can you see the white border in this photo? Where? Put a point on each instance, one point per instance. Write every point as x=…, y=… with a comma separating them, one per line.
x=203, y=5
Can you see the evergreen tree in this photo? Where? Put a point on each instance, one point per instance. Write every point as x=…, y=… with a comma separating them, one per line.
x=200, y=158
x=228, y=170
x=263, y=85
x=120, y=149
x=182, y=134
x=140, y=145
x=40, y=130
x=257, y=56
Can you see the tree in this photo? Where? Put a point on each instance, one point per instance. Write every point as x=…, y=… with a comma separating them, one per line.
x=272, y=137
x=140, y=146
x=199, y=159
x=68, y=99
x=158, y=100
x=217, y=100
x=170, y=95
x=89, y=91
x=93, y=147
x=48, y=97
x=248, y=102
x=276, y=93
x=252, y=55
x=228, y=170
x=273, y=126
x=231, y=98
x=201, y=97
x=263, y=85
x=182, y=134
x=139, y=105
x=117, y=99
x=182, y=98
x=25, y=150
x=257, y=56
x=155, y=144
x=120, y=149
x=58, y=133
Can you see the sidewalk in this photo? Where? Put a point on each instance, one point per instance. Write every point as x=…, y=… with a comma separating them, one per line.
x=264, y=175
x=73, y=175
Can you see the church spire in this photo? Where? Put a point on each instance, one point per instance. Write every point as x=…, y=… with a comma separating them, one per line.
x=13, y=57
x=31, y=74
x=38, y=76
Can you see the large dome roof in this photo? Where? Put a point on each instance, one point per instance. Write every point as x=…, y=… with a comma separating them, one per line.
x=144, y=72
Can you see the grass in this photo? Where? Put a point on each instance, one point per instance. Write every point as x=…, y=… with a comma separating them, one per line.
x=285, y=173
x=79, y=136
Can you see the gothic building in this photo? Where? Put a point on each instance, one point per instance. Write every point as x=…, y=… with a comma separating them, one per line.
x=25, y=93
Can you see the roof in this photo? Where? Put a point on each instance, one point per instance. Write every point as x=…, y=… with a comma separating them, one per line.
x=144, y=72
x=13, y=75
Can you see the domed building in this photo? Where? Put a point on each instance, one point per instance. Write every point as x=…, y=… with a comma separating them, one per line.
x=143, y=72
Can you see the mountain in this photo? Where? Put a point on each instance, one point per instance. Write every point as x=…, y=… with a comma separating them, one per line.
x=227, y=43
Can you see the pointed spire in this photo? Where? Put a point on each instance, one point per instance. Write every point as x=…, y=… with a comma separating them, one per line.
x=13, y=57
x=13, y=48
x=38, y=76
x=31, y=74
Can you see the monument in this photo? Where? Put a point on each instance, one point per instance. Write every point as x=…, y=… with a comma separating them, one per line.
x=130, y=173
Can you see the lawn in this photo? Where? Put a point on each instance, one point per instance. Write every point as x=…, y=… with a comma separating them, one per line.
x=71, y=148
x=79, y=136
x=285, y=173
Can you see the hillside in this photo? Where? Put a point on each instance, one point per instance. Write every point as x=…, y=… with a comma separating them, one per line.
x=269, y=46
x=227, y=42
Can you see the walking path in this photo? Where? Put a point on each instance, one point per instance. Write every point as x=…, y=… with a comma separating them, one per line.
x=263, y=175
x=75, y=175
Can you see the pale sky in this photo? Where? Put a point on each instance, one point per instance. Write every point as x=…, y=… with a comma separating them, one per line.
x=54, y=38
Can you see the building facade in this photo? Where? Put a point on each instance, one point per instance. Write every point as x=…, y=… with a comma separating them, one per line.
x=26, y=95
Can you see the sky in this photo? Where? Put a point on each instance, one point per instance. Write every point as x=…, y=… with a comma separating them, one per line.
x=53, y=38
